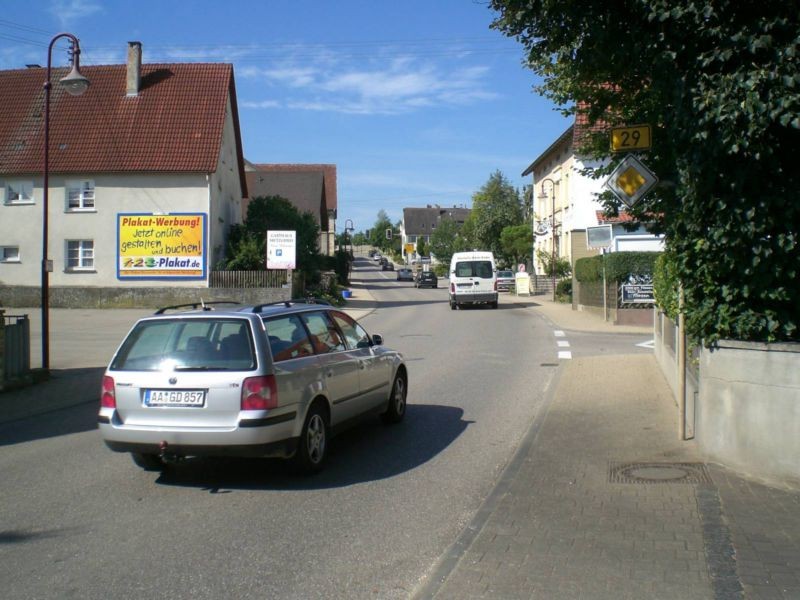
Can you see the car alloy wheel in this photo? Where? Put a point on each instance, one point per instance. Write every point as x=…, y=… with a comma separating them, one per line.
x=397, y=401
x=313, y=442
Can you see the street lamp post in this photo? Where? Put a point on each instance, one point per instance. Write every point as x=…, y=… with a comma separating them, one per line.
x=75, y=84
x=552, y=231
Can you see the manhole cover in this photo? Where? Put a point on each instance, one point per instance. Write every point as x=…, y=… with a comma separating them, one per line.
x=658, y=473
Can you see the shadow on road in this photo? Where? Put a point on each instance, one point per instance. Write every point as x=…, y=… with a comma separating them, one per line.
x=368, y=452
x=66, y=403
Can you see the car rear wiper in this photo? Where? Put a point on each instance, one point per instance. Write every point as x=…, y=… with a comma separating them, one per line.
x=204, y=368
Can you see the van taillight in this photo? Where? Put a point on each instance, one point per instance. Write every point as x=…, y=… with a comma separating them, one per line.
x=495, y=285
x=453, y=288
x=108, y=397
x=259, y=393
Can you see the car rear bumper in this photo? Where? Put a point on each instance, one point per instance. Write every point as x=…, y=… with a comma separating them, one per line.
x=269, y=436
x=474, y=298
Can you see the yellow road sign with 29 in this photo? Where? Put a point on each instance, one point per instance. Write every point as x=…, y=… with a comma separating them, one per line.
x=630, y=139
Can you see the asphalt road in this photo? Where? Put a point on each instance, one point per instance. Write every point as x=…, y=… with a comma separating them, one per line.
x=77, y=520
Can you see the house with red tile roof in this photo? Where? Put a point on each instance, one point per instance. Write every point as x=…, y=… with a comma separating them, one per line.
x=309, y=187
x=565, y=201
x=146, y=174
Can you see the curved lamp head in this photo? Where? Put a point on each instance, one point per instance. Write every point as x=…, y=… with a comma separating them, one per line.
x=75, y=83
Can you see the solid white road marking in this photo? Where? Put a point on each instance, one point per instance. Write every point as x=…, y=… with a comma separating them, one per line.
x=650, y=344
x=563, y=344
x=558, y=333
x=564, y=354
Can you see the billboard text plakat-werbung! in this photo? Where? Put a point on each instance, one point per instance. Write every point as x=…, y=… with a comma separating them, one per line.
x=161, y=246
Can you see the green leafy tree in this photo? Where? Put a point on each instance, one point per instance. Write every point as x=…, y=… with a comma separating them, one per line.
x=718, y=82
x=494, y=207
x=276, y=213
x=445, y=240
x=559, y=267
x=378, y=232
x=517, y=242
x=422, y=247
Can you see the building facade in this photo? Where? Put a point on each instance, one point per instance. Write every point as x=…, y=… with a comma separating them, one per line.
x=144, y=180
x=421, y=223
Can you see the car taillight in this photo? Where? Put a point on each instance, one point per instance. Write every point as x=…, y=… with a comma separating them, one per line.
x=259, y=393
x=108, y=397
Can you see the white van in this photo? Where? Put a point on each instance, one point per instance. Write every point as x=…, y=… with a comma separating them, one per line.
x=473, y=279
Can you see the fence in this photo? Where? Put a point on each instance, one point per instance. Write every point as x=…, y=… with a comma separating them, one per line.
x=248, y=279
x=15, y=348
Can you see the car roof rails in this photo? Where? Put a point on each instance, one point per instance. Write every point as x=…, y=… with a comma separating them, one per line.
x=288, y=303
x=206, y=306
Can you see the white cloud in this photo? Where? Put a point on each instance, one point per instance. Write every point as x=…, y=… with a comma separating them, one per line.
x=69, y=11
x=380, y=85
x=260, y=105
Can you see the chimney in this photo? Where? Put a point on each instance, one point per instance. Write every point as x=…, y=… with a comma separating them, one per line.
x=134, y=68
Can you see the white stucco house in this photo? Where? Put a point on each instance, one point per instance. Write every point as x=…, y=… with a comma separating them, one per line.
x=565, y=203
x=145, y=175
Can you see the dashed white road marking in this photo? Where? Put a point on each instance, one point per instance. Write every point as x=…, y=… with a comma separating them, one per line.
x=651, y=344
x=558, y=333
x=564, y=354
x=563, y=344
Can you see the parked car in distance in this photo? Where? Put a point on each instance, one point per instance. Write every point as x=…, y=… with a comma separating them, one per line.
x=273, y=380
x=377, y=257
x=405, y=275
x=387, y=266
x=505, y=281
x=426, y=279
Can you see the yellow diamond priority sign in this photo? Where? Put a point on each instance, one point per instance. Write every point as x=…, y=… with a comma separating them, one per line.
x=631, y=180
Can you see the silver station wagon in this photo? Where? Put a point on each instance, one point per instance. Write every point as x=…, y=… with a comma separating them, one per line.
x=271, y=380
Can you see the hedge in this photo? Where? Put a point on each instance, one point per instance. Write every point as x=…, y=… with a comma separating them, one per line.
x=619, y=266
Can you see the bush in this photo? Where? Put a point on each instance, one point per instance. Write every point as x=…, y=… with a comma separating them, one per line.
x=620, y=266
x=564, y=290
x=665, y=285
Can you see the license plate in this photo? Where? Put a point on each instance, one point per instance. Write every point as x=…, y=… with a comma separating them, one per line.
x=174, y=398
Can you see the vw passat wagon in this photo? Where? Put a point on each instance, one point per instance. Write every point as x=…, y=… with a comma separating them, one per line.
x=266, y=381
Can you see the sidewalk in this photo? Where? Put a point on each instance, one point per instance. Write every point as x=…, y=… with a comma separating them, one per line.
x=602, y=500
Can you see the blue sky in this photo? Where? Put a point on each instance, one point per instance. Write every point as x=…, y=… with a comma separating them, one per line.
x=417, y=102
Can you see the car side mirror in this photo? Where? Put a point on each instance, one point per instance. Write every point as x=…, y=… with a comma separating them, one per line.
x=377, y=339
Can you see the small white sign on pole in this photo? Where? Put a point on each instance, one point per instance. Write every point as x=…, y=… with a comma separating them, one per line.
x=599, y=237
x=281, y=249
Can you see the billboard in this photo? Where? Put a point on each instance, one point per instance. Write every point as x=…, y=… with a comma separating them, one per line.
x=171, y=246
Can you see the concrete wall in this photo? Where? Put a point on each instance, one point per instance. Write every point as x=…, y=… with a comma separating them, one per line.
x=225, y=193
x=742, y=402
x=748, y=413
x=136, y=297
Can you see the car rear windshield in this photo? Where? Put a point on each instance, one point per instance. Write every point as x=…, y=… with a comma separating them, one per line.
x=187, y=345
x=474, y=268
x=505, y=274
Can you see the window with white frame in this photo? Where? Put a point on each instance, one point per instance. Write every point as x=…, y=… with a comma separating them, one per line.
x=19, y=192
x=80, y=255
x=80, y=195
x=9, y=254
